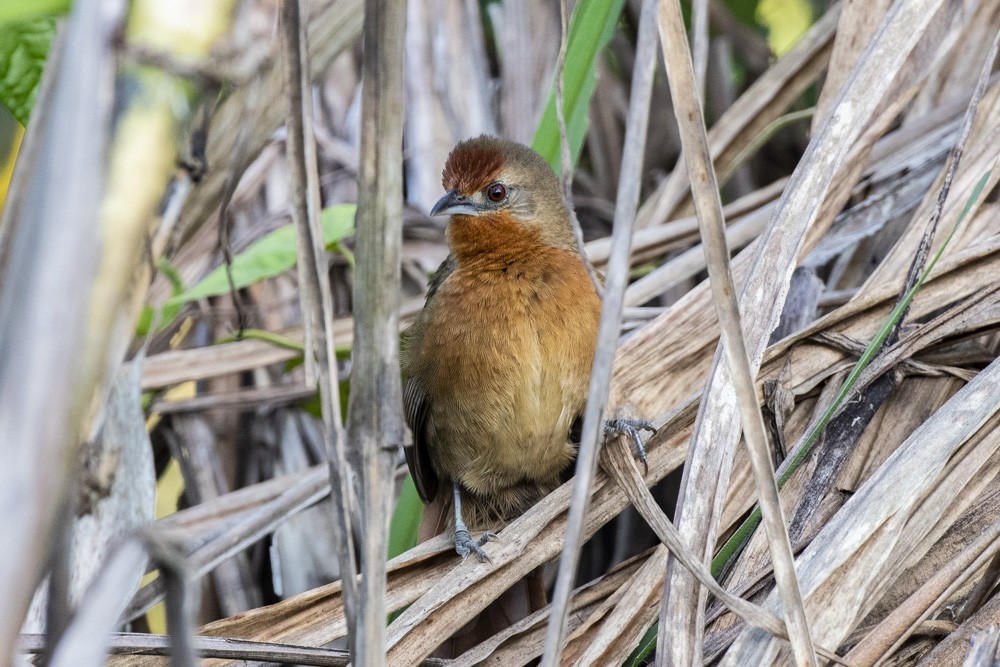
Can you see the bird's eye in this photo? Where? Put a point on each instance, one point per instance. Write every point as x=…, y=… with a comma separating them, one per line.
x=496, y=192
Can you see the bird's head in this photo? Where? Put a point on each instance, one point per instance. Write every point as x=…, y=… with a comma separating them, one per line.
x=496, y=188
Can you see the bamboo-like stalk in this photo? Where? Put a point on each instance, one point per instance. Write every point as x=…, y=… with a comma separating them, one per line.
x=375, y=422
x=608, y=331
x=705, y=193
x=699, y=45
x=40, y=416
x=143, y=644
x=314, y=291
x=71, y=279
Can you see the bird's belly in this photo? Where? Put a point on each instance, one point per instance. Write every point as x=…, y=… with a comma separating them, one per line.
x=506, y=390
x=497, y=422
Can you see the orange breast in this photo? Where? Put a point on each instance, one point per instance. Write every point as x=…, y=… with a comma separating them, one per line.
x=505, y=359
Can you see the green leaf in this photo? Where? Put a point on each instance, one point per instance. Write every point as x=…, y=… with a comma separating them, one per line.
x=24, y=47
x=405, y=519
x=338, y=223
x=28, y=10
x=271, y=255
x=404, y=525
x=590, y=29
x=646, y=645
x=745, y=11
x=168, y=314
x=169, y=311
x=275, y=339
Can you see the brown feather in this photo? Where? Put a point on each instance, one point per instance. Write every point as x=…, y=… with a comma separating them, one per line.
x=473, y=164
x=417, y=459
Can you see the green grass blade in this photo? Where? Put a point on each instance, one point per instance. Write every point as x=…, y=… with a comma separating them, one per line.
x=24, y=48
x=646, y=645
x=405, y=519
x=169, y=311
x=29, y=10
x=270, y=256
x=590, y=29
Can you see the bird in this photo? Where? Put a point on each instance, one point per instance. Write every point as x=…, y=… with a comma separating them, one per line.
x=496, y=365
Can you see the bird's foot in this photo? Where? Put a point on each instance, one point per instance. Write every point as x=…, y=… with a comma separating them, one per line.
x=465, y=545
x=630, y=428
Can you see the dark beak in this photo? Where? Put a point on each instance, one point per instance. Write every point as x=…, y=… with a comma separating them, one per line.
x=454, y=204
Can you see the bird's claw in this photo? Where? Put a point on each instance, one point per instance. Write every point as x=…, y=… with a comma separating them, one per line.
x=465, y=545
x=631, y=428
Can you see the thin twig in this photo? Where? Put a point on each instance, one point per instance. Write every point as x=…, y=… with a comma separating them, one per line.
x=175, y=573
x=375, y=422
x=314, y=286
x=97, y=615
x=238, y=163
x=705, y=193
x=136, y=643
x=608, y=332
x=699, y=46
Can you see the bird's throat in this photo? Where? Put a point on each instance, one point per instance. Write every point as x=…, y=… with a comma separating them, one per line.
x=493, y=239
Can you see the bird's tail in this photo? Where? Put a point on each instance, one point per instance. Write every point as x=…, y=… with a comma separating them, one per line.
x=519, y=601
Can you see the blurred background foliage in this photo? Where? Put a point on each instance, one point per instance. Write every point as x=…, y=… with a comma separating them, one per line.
x=27, y=28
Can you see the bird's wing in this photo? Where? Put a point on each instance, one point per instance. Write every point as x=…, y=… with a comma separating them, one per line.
x=415, y=399
x=418, y=459
x=446, y=269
